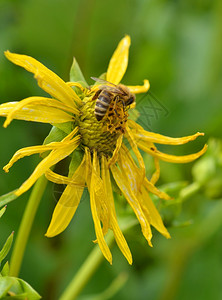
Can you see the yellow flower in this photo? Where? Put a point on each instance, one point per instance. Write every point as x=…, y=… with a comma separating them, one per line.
x=102, y=147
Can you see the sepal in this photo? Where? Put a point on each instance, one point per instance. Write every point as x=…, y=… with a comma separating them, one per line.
x=2, y=211
x=76, y=74
x=5, y=269
x=4, y=199
x=7, y=246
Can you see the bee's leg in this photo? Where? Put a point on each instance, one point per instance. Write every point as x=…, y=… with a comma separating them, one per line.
x=124, y=105
x=114, y=106
x=96, y=94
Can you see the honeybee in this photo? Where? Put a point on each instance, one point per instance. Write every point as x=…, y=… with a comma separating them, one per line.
x=108, y=94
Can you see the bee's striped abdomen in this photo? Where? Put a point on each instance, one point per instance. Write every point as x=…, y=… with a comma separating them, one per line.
x=102, y=104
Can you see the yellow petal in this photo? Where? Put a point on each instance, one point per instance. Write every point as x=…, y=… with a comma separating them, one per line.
x=30, y=151
x=137, y=89
x=170, y=158
x=36, y=102
x=53, y=158
x=119, y=61
x=60, y=179
x=94, y=194
x=103, y=207
x=47, y=80
x=156, y=174
x=152, y=213
x=125, y=187
x=135, y=176
x=76, y=84
x=119, y=237
x=114, y=157
x=146, y=136
x=36, y=113
x=135, y=149
x=68, y=203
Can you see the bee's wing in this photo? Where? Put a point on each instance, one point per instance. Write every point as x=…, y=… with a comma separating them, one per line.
x=114, y=88
x=100, y=80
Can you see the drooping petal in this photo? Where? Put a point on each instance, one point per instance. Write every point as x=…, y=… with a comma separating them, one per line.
x=36, y=102
x=68, y=202
x=156, y=174
x=114, y=157
x=60, y=179
x=137, y=89
x=146, y=136
x=47, y=80
x=170, y=158
x=36, y=113
x=135, y=176
x=135, y=149
x=95, y=193
x=103, y=207
x=125, y=187
x=53, y=158
x=119, y=237
x=119, y=61
x=152, y=213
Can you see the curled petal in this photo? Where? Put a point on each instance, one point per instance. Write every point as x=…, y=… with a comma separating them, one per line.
x=60, y=179
x=30, y=151
x=68, y=202
x=119, y=61
x=47, y=80
x=53, y=158
x=39, y=149
x=156, y=174
x=35, y=113
x=170, y=158
x=142, y=135
x=137, y=89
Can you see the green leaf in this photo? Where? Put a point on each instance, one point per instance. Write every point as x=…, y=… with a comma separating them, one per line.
x=5, y=285
x=6, y=247
x=55, y=135
x=76, y=74
x=4, y=199
x=2, y=211
x=77, y=157
x=5, y=269
x=15, y=288
x=31, y=293
x=65, y=127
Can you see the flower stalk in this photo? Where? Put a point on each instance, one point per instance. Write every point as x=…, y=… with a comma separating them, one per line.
x=90, y=266
x=26, y=225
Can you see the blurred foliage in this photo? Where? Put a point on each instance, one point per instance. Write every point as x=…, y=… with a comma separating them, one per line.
x=11, y=287
x=177, y=45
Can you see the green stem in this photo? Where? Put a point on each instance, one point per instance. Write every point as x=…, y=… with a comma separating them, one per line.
x=26, y=225
x=88, y=268
x=189, y=191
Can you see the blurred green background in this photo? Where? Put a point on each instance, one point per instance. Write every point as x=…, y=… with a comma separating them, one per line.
x=177, y=45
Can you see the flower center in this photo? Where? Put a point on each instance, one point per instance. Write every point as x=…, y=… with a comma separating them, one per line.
x=101, y=135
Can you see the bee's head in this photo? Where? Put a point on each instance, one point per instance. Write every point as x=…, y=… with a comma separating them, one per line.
x=131, y=99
